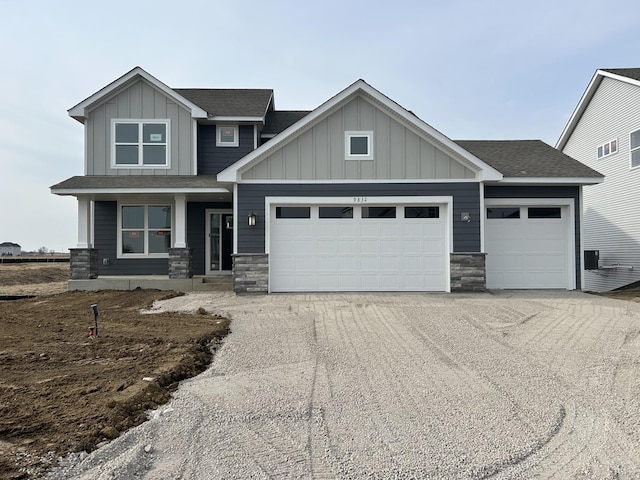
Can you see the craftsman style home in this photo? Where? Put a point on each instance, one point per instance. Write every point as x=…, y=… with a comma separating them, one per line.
x=604, y=133
x=185, y=185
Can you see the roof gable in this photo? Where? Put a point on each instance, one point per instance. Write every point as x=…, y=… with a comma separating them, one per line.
x=359, y=89
x=80, y=111
x=627, y=75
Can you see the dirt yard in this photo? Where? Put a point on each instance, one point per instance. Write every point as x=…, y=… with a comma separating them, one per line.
x=62, y=390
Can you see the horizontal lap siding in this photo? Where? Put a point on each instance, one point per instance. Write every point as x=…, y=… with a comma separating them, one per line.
x=211, y=159
x=251, y=199
x=106, y=242
x=545, y=192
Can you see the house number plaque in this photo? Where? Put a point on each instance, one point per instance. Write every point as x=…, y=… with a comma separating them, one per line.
x=359, y=199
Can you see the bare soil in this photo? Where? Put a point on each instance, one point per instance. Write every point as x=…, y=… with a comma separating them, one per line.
x=62, y=390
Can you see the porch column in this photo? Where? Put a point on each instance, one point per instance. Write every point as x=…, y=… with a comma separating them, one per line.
x=84, y=222
x=180, y=230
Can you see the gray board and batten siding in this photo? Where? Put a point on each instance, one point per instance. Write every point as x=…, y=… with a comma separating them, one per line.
x=399, y=152
x=466, y=198
x=611, y=217
x=548, y=191
x=212, y=159
x=139, y=101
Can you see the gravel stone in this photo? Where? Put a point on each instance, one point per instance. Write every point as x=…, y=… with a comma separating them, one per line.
x=398, y=386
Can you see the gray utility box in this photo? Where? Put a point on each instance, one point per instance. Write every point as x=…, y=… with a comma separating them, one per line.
x=591, y=259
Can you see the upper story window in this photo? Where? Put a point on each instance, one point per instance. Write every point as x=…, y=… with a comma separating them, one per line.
x=358, y=145
x=634, y=147
x=227, y=136
x=608, y=148
x=139, y=143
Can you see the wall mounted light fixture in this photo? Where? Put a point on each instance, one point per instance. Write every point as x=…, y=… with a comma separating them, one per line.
x=465, y=217
x=252, y=219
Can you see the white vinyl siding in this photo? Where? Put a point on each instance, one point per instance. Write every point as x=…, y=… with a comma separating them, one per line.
x=611, y=219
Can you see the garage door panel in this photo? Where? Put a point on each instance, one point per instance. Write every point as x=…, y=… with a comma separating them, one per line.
x=358, y=254
x=528, y=253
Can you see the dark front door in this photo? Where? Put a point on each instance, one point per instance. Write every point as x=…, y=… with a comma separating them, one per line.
x=219, y=242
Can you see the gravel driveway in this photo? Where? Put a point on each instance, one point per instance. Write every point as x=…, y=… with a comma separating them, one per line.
x=323, y=386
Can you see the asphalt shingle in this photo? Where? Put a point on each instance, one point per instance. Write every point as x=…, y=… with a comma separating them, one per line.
x=229, y=102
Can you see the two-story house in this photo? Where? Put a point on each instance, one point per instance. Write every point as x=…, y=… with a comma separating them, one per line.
x=604, y=133
x=357, y=195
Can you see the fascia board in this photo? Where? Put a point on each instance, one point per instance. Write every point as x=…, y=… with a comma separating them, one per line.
x=579, y=110
x=141, y=191
x=79, y=111
x=231, y=173
x=551, y=180
x=230, y=119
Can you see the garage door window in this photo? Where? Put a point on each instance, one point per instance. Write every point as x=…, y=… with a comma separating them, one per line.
x=508, y=212
x=421, y=212
x=293, y=212
x=545, y=212
x=335, y=212
x=378, y=212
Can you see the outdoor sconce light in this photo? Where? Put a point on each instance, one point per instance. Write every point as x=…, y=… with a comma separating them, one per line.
x=252, y=219
x=465, y=217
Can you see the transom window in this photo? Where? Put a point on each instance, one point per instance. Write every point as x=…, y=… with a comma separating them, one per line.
x=227, y=136
x=378, y=212
x=335, y=212
x=608, y=148
x=140, y=143
x=145, y=230
x=545, y=212
x=293, y=212
x=634, y=146
x=359, y=145
x=503, y=212
x=421, y=212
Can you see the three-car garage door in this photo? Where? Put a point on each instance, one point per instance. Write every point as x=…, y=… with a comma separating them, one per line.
x=380, y=247
x=529, y=246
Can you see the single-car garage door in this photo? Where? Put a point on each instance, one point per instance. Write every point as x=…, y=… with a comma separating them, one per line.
x=358, y=248
x=528, y=246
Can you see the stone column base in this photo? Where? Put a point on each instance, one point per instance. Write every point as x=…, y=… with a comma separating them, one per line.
x=180, y=263
x=251, y=273
x=83, y=263
x=468, y=272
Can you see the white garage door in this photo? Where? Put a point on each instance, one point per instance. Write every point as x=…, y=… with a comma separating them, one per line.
x=528, y=247
x=358, y=248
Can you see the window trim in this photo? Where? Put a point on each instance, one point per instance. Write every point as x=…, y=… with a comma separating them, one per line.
x=348, y=135
x=632, y=150
x=220, y=143
x=146, y=254
x=140, y=123
x=608, y=144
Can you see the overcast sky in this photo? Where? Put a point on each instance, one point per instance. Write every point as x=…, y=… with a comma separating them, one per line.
x=473, y=69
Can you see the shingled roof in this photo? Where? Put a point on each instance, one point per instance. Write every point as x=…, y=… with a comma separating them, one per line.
x=140, y=182
x=632, y=73
x=279, y=120
x=527, y=159
x=229, y=102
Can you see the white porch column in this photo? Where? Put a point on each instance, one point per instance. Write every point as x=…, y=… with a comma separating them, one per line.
x=84, y=222
x=180, y=228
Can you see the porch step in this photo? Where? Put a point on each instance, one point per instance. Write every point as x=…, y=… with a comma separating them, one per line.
x=215, y=283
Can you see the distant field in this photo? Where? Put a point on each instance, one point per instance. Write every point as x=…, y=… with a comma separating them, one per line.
x=33, y=278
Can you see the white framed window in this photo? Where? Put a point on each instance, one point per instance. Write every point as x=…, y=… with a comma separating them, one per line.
x=227, y=136
x=144, y=230
x=634, y=148
x=140, y=143
x=608, y=148
x=358, y=145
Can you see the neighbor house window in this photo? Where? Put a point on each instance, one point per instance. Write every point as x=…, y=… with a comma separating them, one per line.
x=359, y=145
x=608, y=148
x=227, y=136
x=144, y=230
x=140, y=143
x=634, y=146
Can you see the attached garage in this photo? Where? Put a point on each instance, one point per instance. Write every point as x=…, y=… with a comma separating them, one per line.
x=359, y=244
x=530, y=244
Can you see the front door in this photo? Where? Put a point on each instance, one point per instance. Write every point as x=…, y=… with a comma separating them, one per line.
x=219, y=241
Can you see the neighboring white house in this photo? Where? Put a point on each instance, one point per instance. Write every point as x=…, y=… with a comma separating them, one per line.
x=12, y=249
x=604, y=133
